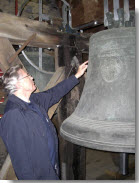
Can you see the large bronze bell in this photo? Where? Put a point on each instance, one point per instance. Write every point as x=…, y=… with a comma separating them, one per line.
x=105, y=115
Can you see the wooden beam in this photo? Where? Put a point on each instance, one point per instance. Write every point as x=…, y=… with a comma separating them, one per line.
x=22, y=47
x=6, y=52
x=18, y=29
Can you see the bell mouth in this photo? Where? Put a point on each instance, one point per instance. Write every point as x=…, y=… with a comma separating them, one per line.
x=112, y=136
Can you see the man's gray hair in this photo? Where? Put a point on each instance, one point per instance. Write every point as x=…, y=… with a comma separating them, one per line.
x=10, y=78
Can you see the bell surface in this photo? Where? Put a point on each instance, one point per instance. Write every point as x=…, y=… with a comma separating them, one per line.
x=104, y=118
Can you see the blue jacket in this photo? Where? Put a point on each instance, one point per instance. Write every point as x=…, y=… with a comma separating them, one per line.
x=25, y=135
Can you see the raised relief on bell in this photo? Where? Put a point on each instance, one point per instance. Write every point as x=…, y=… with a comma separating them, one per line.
x=110, y=68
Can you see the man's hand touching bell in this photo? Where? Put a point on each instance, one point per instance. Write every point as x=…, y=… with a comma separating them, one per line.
x=81, y=70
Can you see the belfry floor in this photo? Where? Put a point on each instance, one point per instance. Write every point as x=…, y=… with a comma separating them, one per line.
x=102, y=165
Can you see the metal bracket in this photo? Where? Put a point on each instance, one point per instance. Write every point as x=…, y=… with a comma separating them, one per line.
x=120, y=17
x=64, y=15
x=41, y=15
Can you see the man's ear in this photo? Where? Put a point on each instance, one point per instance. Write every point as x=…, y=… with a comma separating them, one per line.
x=18, y=85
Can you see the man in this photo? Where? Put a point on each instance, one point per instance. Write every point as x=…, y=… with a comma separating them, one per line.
x=26, y=129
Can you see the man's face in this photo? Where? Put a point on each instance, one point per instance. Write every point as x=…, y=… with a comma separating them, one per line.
x=26, y=81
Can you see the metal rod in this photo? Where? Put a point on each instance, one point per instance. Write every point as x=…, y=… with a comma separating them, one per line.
x=63, y=171
x=33, y=65
x=22, y=7
x=64, y=15
x=123, y=163
x=126, y=10
x=106, y=9
x=90, y=24
x=40, y=49
x=65, y=2
x=40, y=58
x=40, y=10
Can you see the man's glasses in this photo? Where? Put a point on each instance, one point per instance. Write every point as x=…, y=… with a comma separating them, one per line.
x=28, y=75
